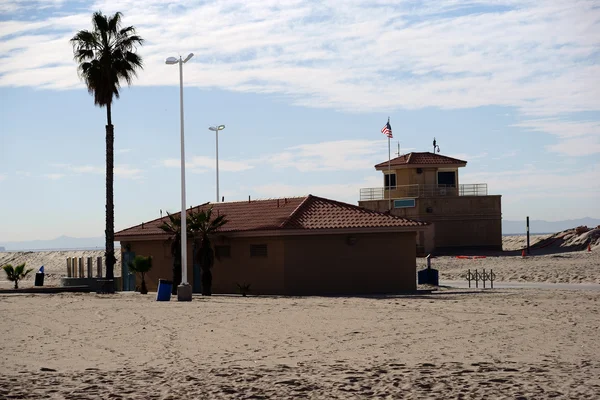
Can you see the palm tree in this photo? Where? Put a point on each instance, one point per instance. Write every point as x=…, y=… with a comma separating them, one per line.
x=16, y=274
x=173, y=228
x=202, y=227
x=141, y=265
x=106, y=57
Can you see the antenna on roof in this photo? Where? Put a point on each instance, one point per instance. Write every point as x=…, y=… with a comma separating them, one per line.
x=435, y=146
x=398, y=149
x=161, y=212
x=248, y=198
x=222, y=199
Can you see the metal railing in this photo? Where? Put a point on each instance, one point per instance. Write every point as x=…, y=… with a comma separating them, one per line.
x=381, y=193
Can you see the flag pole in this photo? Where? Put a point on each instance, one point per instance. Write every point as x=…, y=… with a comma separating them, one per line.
x=389, y=172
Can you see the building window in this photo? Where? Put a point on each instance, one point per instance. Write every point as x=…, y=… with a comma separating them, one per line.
x=390, y=181
x=223, y=252
x=258, y=250
x=447, y=178
x=404, y=203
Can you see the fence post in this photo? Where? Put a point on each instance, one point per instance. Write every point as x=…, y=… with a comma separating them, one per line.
x=99, y=267
x=89, y=268
x=74, y=266
x=69, y=273
x=483, y=277
x=81, y=274
x=476, y=279
x=469, y=277
x=492, y=277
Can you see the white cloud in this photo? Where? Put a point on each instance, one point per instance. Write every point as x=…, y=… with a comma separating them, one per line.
x=125, y=171
x=340, y=155
x=348, y=193
x=575, y=138
x=538, y=57
x=200, y=164
x=120, y=170
x=54, y=177
x=535, y=182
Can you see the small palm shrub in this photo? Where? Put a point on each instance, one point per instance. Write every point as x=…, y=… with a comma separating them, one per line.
x=16, y=274
x=141, y=265
x=244, y=288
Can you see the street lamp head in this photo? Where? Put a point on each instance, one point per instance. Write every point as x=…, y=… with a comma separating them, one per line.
x=216, y=128
x=221, y=127
x=188, y=57
x=171, y=60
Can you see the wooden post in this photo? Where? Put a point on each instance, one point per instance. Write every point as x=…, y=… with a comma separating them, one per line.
x=492, y=277
x=90, y=272
x=81, y=272
x=69, y=272
x=99, y=267
x=74, y=266
x=527, y=235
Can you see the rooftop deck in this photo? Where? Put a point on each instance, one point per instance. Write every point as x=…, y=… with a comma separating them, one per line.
x=415, y=191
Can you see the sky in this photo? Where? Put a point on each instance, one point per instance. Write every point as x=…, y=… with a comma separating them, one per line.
x=304, y=88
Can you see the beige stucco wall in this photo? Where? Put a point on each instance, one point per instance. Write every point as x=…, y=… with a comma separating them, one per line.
x=459, y=221
x=162, y=262
x=328, y=264
x=311, y=264
x=409, y=176
x=264, y=274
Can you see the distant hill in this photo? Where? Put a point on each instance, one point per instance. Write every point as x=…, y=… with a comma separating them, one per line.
x=60, y=243
x=539, y=226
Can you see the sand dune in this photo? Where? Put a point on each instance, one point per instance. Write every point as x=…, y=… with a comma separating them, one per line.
x=54, y=262
x=571, y=267
x=505, y=344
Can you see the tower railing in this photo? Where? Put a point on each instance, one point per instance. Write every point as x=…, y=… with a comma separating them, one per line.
x=415, y=191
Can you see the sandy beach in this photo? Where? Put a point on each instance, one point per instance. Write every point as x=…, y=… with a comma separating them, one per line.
x=502, y=344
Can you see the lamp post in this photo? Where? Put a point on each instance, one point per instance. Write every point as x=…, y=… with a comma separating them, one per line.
x=184, y=290
x=216, y=129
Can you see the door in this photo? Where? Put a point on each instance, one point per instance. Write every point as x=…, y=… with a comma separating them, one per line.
x=196, y=282
x=128, y=277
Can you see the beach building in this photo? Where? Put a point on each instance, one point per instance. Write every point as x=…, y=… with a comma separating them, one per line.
x=426, y=187
x=294, y=246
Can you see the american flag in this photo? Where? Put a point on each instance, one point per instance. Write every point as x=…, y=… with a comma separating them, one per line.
x=387, y=130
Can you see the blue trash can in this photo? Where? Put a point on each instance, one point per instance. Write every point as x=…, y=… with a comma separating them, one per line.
x=164, y=290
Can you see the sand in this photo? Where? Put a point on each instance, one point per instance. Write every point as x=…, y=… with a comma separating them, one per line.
x=571, y=267
x=502, y=344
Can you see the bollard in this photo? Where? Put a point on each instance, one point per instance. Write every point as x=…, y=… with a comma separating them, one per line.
x=89, y=268
x=81, y=272
x=99, y=267
x=69, y=273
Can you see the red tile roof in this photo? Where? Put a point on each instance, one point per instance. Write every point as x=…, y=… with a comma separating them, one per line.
x=310, y=213
x=425, y=158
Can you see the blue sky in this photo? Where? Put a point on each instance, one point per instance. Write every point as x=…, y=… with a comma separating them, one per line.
x=304, y=88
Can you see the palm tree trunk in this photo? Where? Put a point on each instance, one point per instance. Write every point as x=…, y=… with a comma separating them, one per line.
x=110, y=208
x=16, y=283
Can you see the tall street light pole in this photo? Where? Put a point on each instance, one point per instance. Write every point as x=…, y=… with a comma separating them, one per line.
x=216, y=129
x=184, y=290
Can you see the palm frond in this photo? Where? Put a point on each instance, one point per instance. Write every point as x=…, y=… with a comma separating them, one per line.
x=106, y=57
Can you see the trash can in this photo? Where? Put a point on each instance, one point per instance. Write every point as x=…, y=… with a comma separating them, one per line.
x=164, y=290
x=39, y=279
